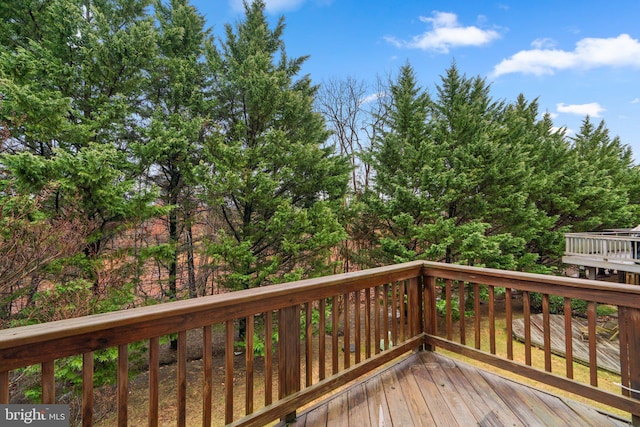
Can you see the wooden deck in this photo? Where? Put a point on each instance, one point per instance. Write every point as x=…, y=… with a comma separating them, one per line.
x=429, y=389
x=608, y=350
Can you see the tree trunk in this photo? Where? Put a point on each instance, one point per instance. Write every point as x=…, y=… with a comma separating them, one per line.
x=173, y=264
x=191, y=267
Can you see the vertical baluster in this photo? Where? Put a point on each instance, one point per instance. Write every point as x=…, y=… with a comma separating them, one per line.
x=568, y=337
x=367, y=323
x=228, y=372
x=461, y=308
x=207, y=375
x=4, y=387
x=346, y=334
x=154, y=365
x=394, y=312
x=248, y=390
x=385, y=317
x=87, y=389
x=526, y=301
x=630, y=318
x=447, y=290
x=593, y=356
x=289, y=353
x=334, y=335
x=322, y=337
x=492, y=321
x=476, y=314
x=376, y=320
x=182, y=379
x=546, y=330
x=624, y=355
x=268, y=357
x=509, y=321
x=403, y=310
x=357, y=326
x=308, y=340
x=48, y=383
x=123, y=384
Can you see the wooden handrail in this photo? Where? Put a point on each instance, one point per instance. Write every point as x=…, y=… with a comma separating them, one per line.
x=89, y=333
x=603, y=292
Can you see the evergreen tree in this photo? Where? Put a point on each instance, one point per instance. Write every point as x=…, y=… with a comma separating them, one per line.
x=547, y=186
x=611, y=179
x=448, y=176
x=71, y=74
x=272, y=181
x=400, y=155
x=177, y=105
x=88, y=57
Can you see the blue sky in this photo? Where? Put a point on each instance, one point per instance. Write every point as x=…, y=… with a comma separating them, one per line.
x=576, y=57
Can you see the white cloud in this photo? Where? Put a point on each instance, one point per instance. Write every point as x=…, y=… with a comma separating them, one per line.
x=543, y=43
x=592, y=109
x=635, y=101
x=621, y=51
x=446, y=33
x=373, y=97
x=271, y=6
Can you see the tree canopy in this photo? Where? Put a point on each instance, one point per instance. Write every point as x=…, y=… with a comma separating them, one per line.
x=184, y=163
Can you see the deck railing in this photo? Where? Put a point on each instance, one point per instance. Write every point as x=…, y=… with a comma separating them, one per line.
x=610, y=246
x=326, y=332
x=298, y=315
x=462, y=288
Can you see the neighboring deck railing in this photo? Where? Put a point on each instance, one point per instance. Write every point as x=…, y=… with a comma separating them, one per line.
x=606, y=249
x=390, y=310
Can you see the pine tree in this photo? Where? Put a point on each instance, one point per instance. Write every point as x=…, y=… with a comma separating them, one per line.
x=71, y=74
x=273, y=182
x=609, y=177
x=448, y=177
x=176, y=109
x=401, y=154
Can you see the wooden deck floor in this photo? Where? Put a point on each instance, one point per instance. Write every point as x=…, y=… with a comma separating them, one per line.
x=429, y=389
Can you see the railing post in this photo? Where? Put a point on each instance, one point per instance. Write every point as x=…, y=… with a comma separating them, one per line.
x=289, y=354
x=629, y=327
x=430, y=311
x=414, y=303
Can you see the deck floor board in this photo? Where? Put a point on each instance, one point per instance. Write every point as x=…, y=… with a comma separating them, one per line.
x=480, y=395
x=358, y=410
x=377, y=403
x=398, y=406
x=450, y=395
x=428, y=388
x=413, y=392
